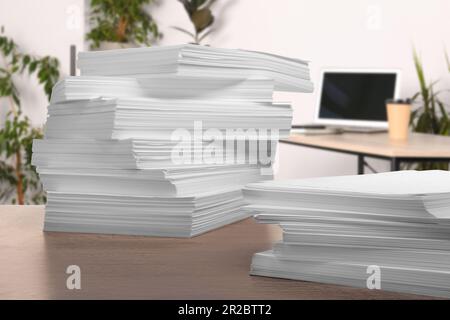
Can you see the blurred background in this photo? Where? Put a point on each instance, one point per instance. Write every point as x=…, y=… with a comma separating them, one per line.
x=37, y=37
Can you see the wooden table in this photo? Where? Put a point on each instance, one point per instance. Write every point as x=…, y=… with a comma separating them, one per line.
x=419, y=147
x=212, y=266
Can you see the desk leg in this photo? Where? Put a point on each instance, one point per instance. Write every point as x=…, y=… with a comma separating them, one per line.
x=395, y=164
x=360, y=164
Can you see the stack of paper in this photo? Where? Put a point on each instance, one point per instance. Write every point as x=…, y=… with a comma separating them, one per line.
x=350, y=230
x=144, y=118
x=147, y=154
x=252, y=89
x=193, y=60
x=138, y=146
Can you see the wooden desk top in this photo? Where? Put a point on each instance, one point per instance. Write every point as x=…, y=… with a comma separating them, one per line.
x=378, y=144
x=211, y=266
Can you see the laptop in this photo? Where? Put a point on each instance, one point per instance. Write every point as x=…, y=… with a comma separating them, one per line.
x=352, y=100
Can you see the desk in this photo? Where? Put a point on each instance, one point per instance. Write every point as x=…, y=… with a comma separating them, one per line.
x=212, y=266
x=419, y=147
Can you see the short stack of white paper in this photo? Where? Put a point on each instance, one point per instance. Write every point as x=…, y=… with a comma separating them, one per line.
x=194, y=60
x=253, y=89
x=133, y=146
x=388, y=230
x=144, y=118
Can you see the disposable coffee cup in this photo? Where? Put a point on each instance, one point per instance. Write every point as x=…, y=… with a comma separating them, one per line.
x=398, y=114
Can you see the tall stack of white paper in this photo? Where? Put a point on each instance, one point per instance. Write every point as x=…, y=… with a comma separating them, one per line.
x=160, y=141
x=388, y=230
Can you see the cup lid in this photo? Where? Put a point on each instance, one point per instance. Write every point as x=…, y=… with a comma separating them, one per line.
x=399, y=101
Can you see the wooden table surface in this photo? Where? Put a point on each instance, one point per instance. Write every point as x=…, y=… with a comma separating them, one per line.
x=418, y=145
x=212, y=266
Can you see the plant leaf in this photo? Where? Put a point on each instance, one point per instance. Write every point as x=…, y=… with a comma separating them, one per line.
x=420, y=75
x=447, y=59
x=202, y=19
x=204, y=35
x=184, y=31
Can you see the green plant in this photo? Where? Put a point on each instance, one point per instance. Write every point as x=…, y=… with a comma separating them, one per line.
x=19, y=182
x=431, y=116
x=200, y=14
x=122, y=21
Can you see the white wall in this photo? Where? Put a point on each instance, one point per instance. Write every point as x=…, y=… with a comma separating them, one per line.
x=42, y=27
x=345, y=33
x=330, y=33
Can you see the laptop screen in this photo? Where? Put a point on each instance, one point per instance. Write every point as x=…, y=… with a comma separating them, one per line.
x=356, y=96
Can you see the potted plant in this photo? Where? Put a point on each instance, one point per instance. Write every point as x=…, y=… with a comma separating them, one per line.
x=200, y=14
x=19, y=182
x=431, y=115
x=121, y=24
